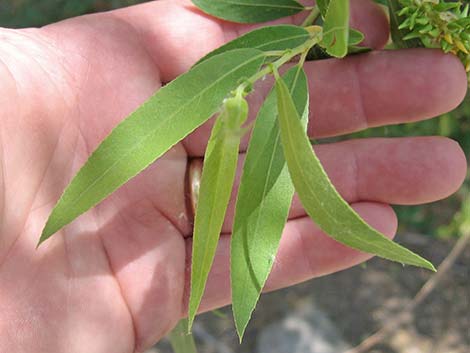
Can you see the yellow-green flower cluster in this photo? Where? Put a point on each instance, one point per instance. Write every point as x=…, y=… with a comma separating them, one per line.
x=438, y=24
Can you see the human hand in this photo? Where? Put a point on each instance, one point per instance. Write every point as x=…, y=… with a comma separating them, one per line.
x=116, y=279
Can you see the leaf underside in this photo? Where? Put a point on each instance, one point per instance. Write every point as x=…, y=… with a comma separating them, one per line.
x=321, y=200
x=263, y=203
x=218, y=174
x=249, y=11
x=269, y=38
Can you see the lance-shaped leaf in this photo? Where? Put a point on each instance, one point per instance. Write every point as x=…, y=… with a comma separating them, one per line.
x=218, y=173
x=319, y=197
x=249, y=11
x=336, y=28
x=355, y=37
x=323, y=6
x=263, y=203
x=164, y=120
x=266, y=39
x=381, y=2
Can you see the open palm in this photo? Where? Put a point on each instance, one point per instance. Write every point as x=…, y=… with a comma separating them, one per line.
x=116, y=280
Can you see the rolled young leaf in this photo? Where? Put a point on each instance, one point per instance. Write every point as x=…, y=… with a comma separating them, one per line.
x=263, y=203
x=336, y=28
x=319, y=197
x=218, y=173
x=269, y=38
x=355, y=37
x=249, y=11
x=164, y=120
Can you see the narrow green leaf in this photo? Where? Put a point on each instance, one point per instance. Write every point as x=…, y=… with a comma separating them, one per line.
x=381, y=2
x=265, y=39
x=336, y=28
x=249, y=11
x=355, y=49
x=323, y=6
x=166, y=118
x=181, y=341
x=320, y=198
x=396, y=33
x=263, y=203
x=355, y=37
x=218, y=173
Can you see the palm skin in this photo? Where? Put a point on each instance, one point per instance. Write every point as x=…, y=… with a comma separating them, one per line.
x=116, y=279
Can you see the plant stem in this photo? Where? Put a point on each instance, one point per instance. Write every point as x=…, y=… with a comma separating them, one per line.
x=286, y=57
x=312, y=17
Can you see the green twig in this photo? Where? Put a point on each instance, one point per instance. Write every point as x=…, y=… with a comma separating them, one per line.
x=312, y=17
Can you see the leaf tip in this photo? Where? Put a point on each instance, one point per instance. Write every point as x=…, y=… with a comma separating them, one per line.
x=430, y=266
x=46, y=234
x=241, y=328
x=192, y=311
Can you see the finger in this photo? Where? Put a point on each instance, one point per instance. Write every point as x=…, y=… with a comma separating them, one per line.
x=365, y=16
x=305, y=252
x=177, y=34
x=380, y=88
x=406, y=171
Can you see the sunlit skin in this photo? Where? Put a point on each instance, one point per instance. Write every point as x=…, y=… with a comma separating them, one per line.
x=116, y=279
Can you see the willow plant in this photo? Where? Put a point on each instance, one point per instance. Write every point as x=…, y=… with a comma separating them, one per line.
x=280, y=159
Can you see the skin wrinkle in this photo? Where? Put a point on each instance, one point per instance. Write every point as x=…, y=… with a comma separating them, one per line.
x=62, y=97
x=30, y=207
x=157, y=209
x=8, y=72
x=121, y=292
x=139, y=35
x=355, y=180
x=38, y=38
x=169, y=219
x=82, y=121
x=305, y=247
x=136, y=336
x=364, y=115
x=41, y=182
x=69, y=270
x=2, y=184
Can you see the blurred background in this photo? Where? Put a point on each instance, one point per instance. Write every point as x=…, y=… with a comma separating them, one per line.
x=336, y=313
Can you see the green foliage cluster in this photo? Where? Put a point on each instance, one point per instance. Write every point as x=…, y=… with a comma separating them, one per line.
x=438, y=24
x=279, y=158
x=219, y=83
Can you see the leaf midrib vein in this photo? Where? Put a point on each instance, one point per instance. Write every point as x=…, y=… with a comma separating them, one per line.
x=350, y=233
x=211, y=218
x=298, y=7
x=146, y=137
